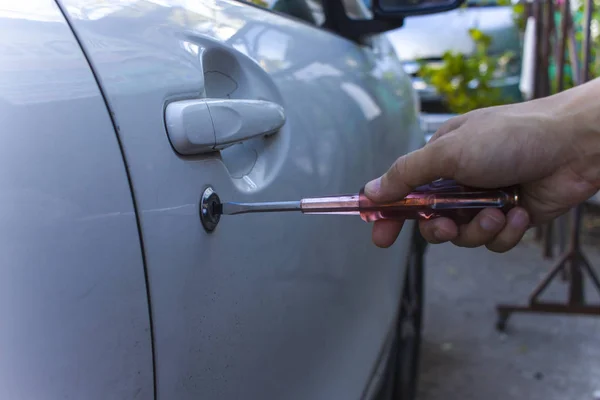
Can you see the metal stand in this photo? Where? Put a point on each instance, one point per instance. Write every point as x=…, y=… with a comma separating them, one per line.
x=573, y=262
x=549, y=240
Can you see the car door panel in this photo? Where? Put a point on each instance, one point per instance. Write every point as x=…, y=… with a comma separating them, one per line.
x=266, y=306
x=73, y=299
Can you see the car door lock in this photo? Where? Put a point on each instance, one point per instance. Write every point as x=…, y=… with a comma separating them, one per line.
x=210, y=205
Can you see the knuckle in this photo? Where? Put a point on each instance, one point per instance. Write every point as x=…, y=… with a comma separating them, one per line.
x=399, y=167
x=472, y=235
x=428, y=233
x=450, y=125
x=447, y=154
x=394, y=173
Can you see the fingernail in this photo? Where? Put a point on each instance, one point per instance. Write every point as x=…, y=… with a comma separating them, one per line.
x=373, y=186
x=519, y=219
x=490, y=223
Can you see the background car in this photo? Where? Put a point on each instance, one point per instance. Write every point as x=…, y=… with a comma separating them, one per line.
x=426, y=38
x=111, y=285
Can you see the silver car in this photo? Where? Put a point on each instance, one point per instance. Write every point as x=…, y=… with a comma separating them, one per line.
x=118, y=117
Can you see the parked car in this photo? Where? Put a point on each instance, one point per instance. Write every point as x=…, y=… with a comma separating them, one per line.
x=117, y=118
x=426, y=38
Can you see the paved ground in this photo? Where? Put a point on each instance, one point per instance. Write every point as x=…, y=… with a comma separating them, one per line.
x=539, y=357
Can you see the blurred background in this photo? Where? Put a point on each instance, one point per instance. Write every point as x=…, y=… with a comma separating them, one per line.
x=472, y=57
x=490, y=53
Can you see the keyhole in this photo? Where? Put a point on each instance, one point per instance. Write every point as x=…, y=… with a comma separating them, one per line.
x=209, y=203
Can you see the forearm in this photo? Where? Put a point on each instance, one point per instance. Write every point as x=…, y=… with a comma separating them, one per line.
x=577, y=115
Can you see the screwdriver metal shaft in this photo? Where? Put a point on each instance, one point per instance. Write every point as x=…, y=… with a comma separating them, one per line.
x=232, y=208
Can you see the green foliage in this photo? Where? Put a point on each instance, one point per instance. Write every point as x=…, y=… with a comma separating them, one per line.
x=520, y=18
x=595, y=40
x=260, y=3
x=578, y=20
x=465, y=81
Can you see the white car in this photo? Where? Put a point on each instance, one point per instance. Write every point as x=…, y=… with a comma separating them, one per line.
x=117, y=117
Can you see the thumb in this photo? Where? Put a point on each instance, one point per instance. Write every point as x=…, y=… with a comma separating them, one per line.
x=436, y=160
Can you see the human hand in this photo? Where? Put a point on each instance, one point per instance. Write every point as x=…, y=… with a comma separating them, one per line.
x=531, y=144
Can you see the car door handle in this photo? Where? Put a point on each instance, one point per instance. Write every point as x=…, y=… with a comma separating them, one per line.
x=200, y=126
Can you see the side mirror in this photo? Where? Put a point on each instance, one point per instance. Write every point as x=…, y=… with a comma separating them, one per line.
x=394, y=9
x=356, y=19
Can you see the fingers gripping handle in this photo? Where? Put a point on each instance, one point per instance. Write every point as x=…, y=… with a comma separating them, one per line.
x=441, y=198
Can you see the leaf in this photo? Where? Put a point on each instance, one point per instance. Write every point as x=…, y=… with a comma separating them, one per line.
x=260, y=3
x=465, y=81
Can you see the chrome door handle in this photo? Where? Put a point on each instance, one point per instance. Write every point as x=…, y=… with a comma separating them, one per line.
x=205, y=125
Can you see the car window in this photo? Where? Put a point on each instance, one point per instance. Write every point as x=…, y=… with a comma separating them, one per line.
x=310, y=11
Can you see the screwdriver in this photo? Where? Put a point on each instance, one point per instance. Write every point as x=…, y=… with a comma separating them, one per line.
x=440, y=198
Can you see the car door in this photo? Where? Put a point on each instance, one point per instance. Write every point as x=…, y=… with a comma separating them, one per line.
x=265, y=306
x=75, y=322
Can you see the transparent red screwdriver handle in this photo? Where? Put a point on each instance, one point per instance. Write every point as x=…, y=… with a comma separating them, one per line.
x=441, y=198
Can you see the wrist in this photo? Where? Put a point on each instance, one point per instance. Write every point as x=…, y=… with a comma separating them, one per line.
x=575, y=116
